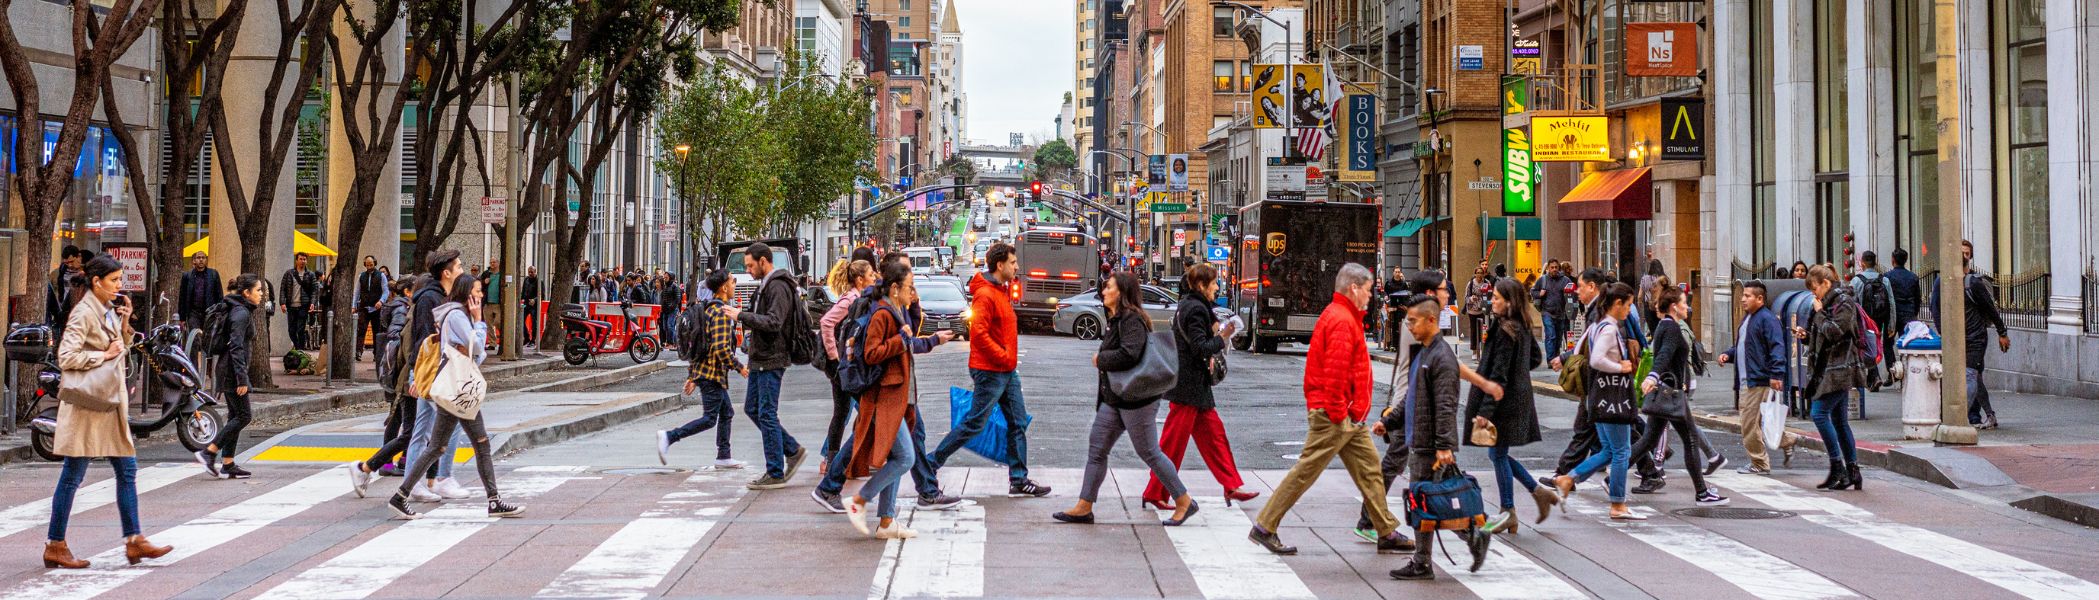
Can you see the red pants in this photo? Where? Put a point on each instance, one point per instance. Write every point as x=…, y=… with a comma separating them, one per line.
x=1202, y=423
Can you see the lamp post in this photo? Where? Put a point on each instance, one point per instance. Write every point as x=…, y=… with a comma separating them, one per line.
x=684, y=211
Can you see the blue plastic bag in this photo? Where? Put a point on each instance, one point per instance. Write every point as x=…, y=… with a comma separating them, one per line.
x=989, y=443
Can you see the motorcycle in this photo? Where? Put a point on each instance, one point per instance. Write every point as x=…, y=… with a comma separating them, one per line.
x=158, y=369
x=589, y=337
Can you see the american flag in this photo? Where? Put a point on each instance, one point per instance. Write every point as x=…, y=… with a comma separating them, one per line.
x=1311, y=142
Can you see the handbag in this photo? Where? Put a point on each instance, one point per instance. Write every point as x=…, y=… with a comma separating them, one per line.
x=458, y=388
x=1574, y=371
x=1448, y=499
x=1611, y=398
x=99, y=389
x=1774, y=423
x=1154, y=373
x=1217, y=368
x=1667, y=401
x=1485, y=435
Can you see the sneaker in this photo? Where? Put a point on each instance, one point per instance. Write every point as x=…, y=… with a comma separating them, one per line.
x=389, y=470
x=1715, y=464
x=450, y=489
x=1477, y=541
x=1752, y=470
x=1368, y=535
x=727, y=463
x=422, y=493
x=210, y=460
x=830, y=502
x=939, y=502
x=1027, y=488
x=794, y=462
x=233, y=471
x=663, y=447
x=1414, y=571
x=496, y=508
x=1649, y=486
x=1395, y=544
x=856, y=514
x=400, y=507
x=766, y=483
x=359, y=478
x=1708, y=498
x=895, y=532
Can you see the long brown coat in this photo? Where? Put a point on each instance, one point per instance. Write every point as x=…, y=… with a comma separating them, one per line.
x=884, y=408
x=87, y=433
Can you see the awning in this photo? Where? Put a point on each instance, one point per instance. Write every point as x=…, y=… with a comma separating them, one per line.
x=1608, y=195
x=1410, y=227
x=300, y=244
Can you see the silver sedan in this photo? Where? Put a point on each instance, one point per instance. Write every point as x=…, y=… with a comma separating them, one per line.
x=1082, y=315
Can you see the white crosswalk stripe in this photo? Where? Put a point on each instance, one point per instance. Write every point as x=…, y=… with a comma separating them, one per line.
x=92, y=496
x=1225, y=564
x=632, y=562
x=2002, y=570
x=1509, y=575
x=371, y=566
x=189, y=539
x=946, y=560
x=1753, y=570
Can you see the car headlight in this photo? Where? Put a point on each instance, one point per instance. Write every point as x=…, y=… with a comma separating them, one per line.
x=965, y=313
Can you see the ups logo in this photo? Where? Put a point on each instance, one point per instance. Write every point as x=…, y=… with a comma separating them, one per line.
x=1277, y=242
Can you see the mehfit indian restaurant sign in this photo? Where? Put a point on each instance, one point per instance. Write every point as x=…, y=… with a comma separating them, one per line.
x=1519, y=174
x=1570, y=138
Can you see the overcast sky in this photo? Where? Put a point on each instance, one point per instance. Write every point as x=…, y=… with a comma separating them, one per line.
x=1017, y=65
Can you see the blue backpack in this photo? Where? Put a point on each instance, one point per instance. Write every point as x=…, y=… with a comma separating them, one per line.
x=855, y=375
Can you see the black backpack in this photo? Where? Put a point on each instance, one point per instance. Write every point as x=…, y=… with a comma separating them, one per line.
x=803, y=348
x=1877, y=300
x=691, y=323
x=217, y=327
x=855, y=375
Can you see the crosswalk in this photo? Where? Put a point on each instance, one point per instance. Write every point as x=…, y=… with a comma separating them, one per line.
x=596, y=534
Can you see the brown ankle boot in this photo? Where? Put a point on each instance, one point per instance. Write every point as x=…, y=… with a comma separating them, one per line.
x=58, y=556
x=136, y=548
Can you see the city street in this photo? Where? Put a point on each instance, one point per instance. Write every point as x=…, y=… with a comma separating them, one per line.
x=605, y=520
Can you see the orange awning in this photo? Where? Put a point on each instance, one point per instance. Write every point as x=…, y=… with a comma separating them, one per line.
x=1609, y=195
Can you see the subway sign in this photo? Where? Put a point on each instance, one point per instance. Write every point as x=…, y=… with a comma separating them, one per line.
x=1519, y=183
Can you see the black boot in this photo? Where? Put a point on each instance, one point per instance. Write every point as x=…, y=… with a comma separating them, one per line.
x=1836, y=474
x=1851, y=476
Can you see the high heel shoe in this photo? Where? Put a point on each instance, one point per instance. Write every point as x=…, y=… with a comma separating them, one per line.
x=1238, y=496
x=57, y=556
x=1159, y=504
x=1193, y=507
x=136, y=548
x=1852, y=477
x=1836, y=473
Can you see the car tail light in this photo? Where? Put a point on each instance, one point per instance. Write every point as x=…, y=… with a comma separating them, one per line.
x=1038, y=273
x=1071, y=274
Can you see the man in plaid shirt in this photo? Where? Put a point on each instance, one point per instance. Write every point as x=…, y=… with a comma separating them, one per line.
x=710, y=375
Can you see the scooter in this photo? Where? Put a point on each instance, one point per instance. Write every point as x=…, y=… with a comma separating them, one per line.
x=589, y=337
x=157, y=368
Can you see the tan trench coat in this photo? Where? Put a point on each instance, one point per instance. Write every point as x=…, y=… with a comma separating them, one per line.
x=87, y=433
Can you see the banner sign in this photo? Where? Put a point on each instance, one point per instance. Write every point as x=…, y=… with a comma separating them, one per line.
x=1359, y=129
x=1570, y=139
x=1683, y=119
x=1176, y=172
x=1661, y=49
x=1155, y=169
x=1519, y=174
x=1273, y=102
x=1526, y=57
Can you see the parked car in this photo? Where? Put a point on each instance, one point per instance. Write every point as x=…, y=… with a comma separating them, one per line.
x=948, y=279
x=820, y=300
x=1082, y=315
x=946, y=307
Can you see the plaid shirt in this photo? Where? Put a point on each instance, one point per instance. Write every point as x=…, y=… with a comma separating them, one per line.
x=718, y=333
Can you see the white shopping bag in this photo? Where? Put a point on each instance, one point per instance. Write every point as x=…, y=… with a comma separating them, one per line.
x=1774, y=422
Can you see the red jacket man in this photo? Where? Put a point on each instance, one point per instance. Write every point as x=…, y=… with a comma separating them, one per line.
x=1337, y=370
x=994, y=362
x=994, y=333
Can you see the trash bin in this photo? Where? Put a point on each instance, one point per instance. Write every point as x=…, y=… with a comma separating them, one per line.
x=1920, y=389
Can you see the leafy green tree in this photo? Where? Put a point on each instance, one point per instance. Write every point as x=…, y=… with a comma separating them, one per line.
x=822, y=137
x=1055, y=159
x=729, y=168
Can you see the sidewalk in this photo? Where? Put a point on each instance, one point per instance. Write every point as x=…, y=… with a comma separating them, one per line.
x=2044, y=457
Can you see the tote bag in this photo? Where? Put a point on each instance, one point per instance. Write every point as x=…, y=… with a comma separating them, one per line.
x=458, y=388
x=1154, y=374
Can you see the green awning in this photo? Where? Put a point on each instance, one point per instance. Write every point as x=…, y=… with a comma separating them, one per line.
x=1497, y=228
x=1410, y=227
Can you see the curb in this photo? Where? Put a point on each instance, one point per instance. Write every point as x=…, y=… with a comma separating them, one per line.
x=370, y=392
x=1946, y=467
x=511, y=443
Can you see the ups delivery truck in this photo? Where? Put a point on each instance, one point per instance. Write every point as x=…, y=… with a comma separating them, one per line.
x=1283, y=270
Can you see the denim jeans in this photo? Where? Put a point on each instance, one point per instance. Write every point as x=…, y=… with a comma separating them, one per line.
x=885, y=481
x=69, y=483
x=425, y=424
x=1555, y=335
x=1508, y=472
x=478, y=432
x=924, y=475
x=1833, y=421
x=715, y=410
x=1140, y=423
x=1616, y=453
x=841, y=415
x=1000, y=389
x=1978, y=398
x=761, y=402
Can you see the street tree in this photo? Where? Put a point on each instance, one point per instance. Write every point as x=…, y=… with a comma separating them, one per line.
x=1054, y=160
x=100, y=34
x=822, y=139
x=720, y=116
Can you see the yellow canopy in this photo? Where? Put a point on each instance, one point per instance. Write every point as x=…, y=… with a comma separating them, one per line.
x=300, y=243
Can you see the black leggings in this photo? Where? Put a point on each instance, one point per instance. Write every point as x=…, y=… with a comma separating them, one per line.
x=440, y=437
x=237, y=418
x=400, y=429
x=1685, y=432
x=841, y=410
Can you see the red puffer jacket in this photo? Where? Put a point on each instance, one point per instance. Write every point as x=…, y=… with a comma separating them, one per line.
x=994, y=332
x=1337, y=370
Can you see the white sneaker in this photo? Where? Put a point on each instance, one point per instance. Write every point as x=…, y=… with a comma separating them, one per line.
x=856, y=513
x=421, y=493
x=450, y=489
x=663, y=447
x=728, y=463
x=359, y=478
x=895, y=532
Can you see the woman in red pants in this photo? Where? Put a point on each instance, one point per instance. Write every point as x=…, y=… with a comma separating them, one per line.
x=1193, y=410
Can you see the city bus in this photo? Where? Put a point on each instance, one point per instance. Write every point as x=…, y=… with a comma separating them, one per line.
x=1055, y=263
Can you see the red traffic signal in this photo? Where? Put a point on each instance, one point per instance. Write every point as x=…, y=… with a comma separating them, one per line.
x=1035, y=187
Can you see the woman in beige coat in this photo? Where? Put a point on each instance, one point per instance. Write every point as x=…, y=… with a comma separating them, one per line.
x=95, y=336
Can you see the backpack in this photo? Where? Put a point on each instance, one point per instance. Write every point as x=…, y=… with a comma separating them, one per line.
x=802, y=346
x=1869, y=348
x=1875, y=299
x=218, y=329
x=691, y=321
x=855, y=375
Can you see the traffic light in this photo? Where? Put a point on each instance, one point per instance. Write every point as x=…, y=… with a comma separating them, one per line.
x=1035, y=187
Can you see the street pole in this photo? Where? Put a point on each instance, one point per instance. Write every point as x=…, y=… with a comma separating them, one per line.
x=1953, y=281
x=512, y=323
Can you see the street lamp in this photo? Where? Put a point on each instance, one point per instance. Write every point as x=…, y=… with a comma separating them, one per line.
x=684, y=212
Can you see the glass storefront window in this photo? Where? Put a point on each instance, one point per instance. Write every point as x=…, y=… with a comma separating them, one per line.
x=1832, y=123
x=2021, y=72
x=1763, y=133
x=1916, y=132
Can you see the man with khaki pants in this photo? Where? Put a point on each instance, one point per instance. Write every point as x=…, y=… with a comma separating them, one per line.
x=1337, y=398
x=1759, y=356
